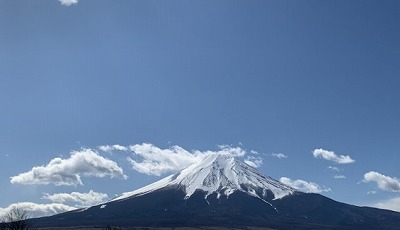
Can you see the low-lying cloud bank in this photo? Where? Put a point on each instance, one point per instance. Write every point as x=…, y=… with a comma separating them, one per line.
x=390, y=204
x=304, y=186
x=86, y=163
x=79, y=199
x=36, y=210
x=61, y=202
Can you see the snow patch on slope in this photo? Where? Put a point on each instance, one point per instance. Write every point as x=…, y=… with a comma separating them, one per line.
x=220, y=174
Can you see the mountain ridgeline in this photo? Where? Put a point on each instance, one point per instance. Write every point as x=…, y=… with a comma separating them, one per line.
x=221, y=191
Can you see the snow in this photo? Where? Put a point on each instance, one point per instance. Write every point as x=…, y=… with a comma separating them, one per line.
x=220, y=174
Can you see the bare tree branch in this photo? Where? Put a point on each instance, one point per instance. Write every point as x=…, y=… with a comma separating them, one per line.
x=17, y=219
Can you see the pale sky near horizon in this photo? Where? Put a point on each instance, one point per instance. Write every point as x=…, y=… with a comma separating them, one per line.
x=101, y=97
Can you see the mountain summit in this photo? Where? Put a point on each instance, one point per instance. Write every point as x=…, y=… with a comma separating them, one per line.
x=219, y=174
x=221, y=191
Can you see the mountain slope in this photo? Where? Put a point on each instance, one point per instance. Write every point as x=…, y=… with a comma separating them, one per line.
x=222, y=191
x=220, y=174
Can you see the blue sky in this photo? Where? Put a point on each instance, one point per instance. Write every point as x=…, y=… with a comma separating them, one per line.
x=306, y=90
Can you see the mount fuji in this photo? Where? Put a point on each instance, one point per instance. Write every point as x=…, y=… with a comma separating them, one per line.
x=221, y=175
x=223, y=192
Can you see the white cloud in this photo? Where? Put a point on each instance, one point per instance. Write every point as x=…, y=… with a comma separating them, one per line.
x=228, y=150
x=371, y=192
x=339, y=177
x=385, y=183
x=81, y=199
x=304, y=186
x=36, y=210
x=254, y=162
x=68, y=171
x=156, y=161
x=254, y=152
x=334, y=168
x=110, y=148
x=391, y=204
x=68, y=2
x=279, y=155
x=331, y=156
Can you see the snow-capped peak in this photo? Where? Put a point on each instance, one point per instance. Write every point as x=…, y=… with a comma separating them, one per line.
x=220, y=174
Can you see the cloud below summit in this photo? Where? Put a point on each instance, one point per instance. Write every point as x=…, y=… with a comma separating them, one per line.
x=304, y=186
x=81, y=199
x=58, y=171
x=385, y=183
x=390, y=204
x=37, y=210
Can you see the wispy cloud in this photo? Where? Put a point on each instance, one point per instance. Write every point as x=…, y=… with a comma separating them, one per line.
x=333, y=168
x=385, y=183
x=279, y=155
x=331, y=156
x=253, y=161
x=58, y=171
x=110, y=148
x=304, y=186
x=339, y=177
x=254, y=152
x=157, y=161
x=80, y=199
x=37, y=210
x=68, y=2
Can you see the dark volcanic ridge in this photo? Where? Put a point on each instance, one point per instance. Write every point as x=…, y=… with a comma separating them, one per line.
x=223, y=192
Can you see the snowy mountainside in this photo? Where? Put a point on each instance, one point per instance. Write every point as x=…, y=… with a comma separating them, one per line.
x=224, y=193
x=221, y=174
